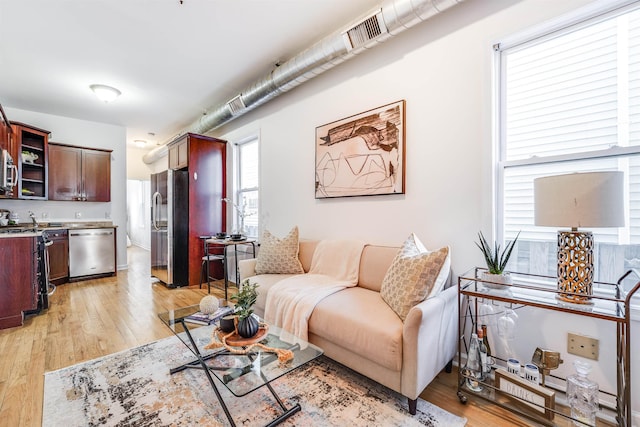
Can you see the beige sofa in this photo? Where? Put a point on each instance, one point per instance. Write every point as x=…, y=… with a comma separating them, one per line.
x=358, y=329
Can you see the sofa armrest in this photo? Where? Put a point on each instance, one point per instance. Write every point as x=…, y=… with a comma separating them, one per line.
x=429, y=340
x=247, y=268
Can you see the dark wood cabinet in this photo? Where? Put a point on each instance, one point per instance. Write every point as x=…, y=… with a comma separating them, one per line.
x=198, y=190
x=29, y=149
x=58, y=256
x=179, y=154
x=18, y=279
x=79, y=173
x=5, y=130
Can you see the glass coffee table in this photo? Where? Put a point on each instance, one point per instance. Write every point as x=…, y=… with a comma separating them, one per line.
x=239, y=373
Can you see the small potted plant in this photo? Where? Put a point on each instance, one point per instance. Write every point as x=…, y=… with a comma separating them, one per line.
x=496, y=261
x=248, y=325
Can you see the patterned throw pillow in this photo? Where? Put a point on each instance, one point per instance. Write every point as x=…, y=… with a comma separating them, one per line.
x=279, y=256
x=414, y=274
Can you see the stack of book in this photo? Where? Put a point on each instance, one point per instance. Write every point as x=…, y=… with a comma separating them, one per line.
x=200, y=318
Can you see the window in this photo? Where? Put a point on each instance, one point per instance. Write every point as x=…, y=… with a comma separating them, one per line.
x=569, y=101
x=247, y=195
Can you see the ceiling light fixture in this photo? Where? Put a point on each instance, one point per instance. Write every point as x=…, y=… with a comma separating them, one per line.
x=105, y=93
x=140, y=142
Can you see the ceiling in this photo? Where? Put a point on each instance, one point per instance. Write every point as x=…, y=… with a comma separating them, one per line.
x=171, y=61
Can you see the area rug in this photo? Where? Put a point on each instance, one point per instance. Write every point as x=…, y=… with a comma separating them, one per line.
x=134, y=388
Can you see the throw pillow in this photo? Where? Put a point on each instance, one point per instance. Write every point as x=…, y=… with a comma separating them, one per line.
x=414, y=274
x=279, y=256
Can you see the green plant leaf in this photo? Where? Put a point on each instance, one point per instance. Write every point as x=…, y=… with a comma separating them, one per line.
x=495, y=259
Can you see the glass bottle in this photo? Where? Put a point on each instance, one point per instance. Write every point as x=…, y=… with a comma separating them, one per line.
x=484, y=356
x=473, y=368
x=582, y=394
x=485, y=339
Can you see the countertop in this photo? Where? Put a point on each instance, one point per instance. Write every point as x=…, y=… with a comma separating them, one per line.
x=28, y=230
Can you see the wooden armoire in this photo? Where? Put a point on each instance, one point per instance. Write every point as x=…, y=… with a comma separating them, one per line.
x=199, y=173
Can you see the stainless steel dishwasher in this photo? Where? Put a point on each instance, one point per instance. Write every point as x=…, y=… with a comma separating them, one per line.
x=91, y=251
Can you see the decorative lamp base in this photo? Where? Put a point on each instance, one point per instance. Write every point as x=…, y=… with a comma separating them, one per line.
x=575, y=266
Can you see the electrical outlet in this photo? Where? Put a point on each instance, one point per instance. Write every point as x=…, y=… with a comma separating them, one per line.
x=581, y=345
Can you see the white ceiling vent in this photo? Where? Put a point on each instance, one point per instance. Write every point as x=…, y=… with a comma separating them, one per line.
x=365, y=31
x=236, y=105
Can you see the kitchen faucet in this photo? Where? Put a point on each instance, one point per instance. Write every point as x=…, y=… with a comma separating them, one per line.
x=33, y=218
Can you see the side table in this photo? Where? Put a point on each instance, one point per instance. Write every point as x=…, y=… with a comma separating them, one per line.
x=226, y=243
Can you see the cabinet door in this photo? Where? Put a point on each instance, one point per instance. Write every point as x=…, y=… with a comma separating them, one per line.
x=65, y=172
x=17, y=277
x=59, y=257
x=96, y=171
x=179, y=155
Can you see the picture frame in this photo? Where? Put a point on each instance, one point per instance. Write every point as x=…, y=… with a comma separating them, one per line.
x=526, y=393
x=363, y=154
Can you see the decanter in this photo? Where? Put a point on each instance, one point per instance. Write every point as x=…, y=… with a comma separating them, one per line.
x=582, y=395
x=473, y=368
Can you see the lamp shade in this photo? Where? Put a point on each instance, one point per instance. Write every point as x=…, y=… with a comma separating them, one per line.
x=589, y=199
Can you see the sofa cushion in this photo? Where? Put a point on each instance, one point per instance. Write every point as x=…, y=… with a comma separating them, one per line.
x=306, y=250
x=359, y=320
x=279, y=256
x=414, y=274
x=374, y=263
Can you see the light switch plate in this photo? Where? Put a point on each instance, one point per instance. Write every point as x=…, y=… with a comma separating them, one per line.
x=581, y=345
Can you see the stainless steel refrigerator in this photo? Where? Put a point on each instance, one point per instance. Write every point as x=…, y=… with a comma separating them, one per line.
x=161, y=232
x=169, y=227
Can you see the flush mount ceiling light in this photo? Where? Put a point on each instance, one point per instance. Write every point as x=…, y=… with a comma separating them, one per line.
x=140, y=142
x=105, y=93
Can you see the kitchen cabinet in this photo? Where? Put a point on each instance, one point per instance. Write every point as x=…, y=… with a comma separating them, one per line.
x=5, y=141
x=29, y=149
x=18, y=279
x=79, y=173
x=179, y=154
x=5, y=130
x=58, y=256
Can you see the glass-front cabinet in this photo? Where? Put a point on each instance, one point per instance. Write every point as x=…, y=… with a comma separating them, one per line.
x=31, y=149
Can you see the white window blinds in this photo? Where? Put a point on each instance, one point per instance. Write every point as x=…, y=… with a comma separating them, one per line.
x=569, y=101
x=248, y=187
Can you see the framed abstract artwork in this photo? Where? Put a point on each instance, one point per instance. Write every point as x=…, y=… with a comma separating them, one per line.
x=362, y=155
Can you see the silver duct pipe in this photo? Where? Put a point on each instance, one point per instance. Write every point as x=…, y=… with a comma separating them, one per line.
x=390, y=19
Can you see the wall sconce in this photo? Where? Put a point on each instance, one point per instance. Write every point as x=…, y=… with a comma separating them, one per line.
x=593, y=199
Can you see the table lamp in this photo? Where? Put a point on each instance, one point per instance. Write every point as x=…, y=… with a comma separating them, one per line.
x=589, y=199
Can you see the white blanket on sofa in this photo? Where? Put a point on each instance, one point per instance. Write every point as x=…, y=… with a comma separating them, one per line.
x=335, y=266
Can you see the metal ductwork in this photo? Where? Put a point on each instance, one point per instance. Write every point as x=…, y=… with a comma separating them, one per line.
x=390, y=19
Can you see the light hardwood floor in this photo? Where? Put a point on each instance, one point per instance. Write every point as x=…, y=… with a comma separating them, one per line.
x=93, y=318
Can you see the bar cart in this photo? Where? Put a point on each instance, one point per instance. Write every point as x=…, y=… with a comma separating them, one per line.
x=541, y=292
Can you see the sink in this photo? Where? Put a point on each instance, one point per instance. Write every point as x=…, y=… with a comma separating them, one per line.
x=14, y=230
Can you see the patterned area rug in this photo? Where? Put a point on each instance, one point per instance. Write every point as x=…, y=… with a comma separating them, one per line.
x=134, y=388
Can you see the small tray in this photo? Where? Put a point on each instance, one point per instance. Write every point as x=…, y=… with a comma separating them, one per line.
x=236, y=340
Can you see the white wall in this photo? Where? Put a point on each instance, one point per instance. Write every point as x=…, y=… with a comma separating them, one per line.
x=136, y=168
x=443, y=69
x=87, y=134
